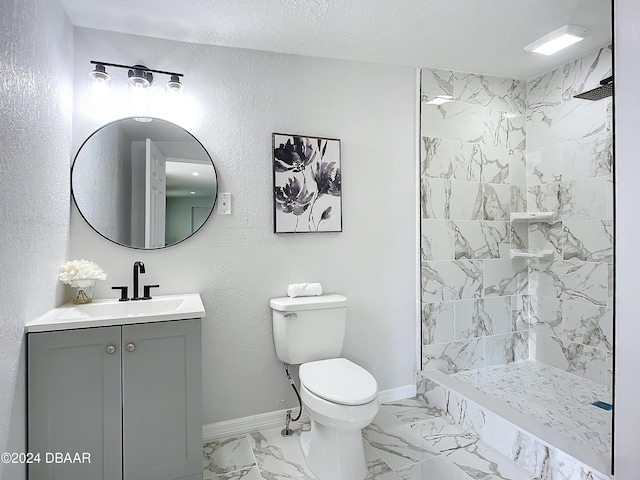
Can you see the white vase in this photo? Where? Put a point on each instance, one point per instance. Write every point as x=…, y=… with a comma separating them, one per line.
x=83, y=293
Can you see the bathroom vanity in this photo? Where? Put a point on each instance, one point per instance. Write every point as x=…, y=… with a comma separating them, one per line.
x=118, y=384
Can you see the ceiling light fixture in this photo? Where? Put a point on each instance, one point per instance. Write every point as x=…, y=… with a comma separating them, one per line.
x=557, y=40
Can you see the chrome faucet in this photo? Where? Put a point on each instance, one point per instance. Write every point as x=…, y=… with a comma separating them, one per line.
x=138, y=268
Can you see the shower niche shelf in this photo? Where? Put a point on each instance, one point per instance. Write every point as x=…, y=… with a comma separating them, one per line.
x=548, y=217
x=533, y=217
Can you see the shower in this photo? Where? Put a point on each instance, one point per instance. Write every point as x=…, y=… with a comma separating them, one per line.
x=514, y=282
x=603, y=91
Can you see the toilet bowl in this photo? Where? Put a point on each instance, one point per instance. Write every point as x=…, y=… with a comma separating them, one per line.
x=341, y=398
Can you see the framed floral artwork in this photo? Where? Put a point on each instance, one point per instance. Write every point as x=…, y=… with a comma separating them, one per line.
x=307, y=184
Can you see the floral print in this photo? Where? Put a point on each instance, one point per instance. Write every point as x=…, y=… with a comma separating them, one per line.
x=307, y=184
x=292, y=198
x=294, y=156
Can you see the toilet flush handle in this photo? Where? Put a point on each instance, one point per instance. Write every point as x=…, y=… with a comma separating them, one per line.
x=290, y=316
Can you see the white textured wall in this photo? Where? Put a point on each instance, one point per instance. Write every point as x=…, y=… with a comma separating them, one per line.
x=235, y=100
x=36, y=47
x=627, y=266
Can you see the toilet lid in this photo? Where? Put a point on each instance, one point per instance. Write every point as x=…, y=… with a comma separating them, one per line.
x=339, y=380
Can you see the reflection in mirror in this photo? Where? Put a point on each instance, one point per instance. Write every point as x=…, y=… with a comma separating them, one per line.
x=144, y=183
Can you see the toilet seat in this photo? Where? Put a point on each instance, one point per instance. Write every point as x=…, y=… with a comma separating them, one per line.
x=339, y=380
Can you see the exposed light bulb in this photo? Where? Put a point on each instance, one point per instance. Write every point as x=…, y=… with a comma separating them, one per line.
x=100, y=84
x=174, y=93
x=140, y=79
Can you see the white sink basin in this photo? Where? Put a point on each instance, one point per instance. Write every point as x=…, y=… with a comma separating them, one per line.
x=110, y=308
x=113, y=312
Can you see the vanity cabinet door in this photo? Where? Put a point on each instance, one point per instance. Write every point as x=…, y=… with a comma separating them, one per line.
x=74, y=403
x=162, y=400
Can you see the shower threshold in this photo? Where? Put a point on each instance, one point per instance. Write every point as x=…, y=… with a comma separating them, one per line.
x=539, y=416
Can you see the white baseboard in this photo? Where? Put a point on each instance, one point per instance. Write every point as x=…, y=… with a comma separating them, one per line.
x=240, y=426
x=398, y=393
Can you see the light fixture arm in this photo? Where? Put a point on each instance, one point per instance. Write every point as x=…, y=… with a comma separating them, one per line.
x=136, y=67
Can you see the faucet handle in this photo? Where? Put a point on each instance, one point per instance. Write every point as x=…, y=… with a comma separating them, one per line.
x=123, y=293
x=147, y=291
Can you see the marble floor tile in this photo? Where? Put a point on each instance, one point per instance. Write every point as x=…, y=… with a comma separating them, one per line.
x=408, y=440
x=244, y=474
x=481, y=462
x=377, y=469
x=438, y=468
x=396, y=444
x=228, y=455
x=279, y=457
x=444, y=436
x=412, y=410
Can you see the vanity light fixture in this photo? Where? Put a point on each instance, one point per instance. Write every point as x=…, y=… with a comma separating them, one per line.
x=557, y=40
x=140, y=80
x=195, y=174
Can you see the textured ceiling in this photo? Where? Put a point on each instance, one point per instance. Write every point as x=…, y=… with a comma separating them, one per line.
x=480, y=36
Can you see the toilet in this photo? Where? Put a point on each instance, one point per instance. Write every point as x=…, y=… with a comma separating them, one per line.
x=340, y=397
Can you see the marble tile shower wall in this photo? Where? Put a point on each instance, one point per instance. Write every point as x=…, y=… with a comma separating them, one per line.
x=501, y=146
x=473, y=175
x=570, y=172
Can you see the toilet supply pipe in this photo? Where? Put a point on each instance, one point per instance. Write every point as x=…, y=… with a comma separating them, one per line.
x=293, y=385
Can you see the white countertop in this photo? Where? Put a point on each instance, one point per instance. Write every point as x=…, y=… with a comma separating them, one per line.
x=102, y=313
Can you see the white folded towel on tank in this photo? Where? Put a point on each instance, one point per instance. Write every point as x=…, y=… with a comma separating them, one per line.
x=304, y=289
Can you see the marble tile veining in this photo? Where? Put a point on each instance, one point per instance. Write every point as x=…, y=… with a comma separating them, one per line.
x=557, y=399
x=408, y=440
x=229, y=455
x=396, y=445
x=477, y=459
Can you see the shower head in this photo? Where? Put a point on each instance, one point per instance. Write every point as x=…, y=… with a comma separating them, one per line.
x=603, y=91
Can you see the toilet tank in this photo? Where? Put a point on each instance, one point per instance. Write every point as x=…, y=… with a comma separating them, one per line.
x=306, y=329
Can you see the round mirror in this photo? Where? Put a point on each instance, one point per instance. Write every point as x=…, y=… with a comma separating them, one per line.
x=144, y=183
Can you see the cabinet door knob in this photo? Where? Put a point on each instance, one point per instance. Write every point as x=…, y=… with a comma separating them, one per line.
x=111, y=349
x=131, y=347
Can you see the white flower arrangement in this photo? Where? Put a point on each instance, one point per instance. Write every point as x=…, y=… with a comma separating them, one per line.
x=80, y=273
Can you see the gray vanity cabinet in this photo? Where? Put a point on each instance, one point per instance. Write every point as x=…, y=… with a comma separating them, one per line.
x=130, y=396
